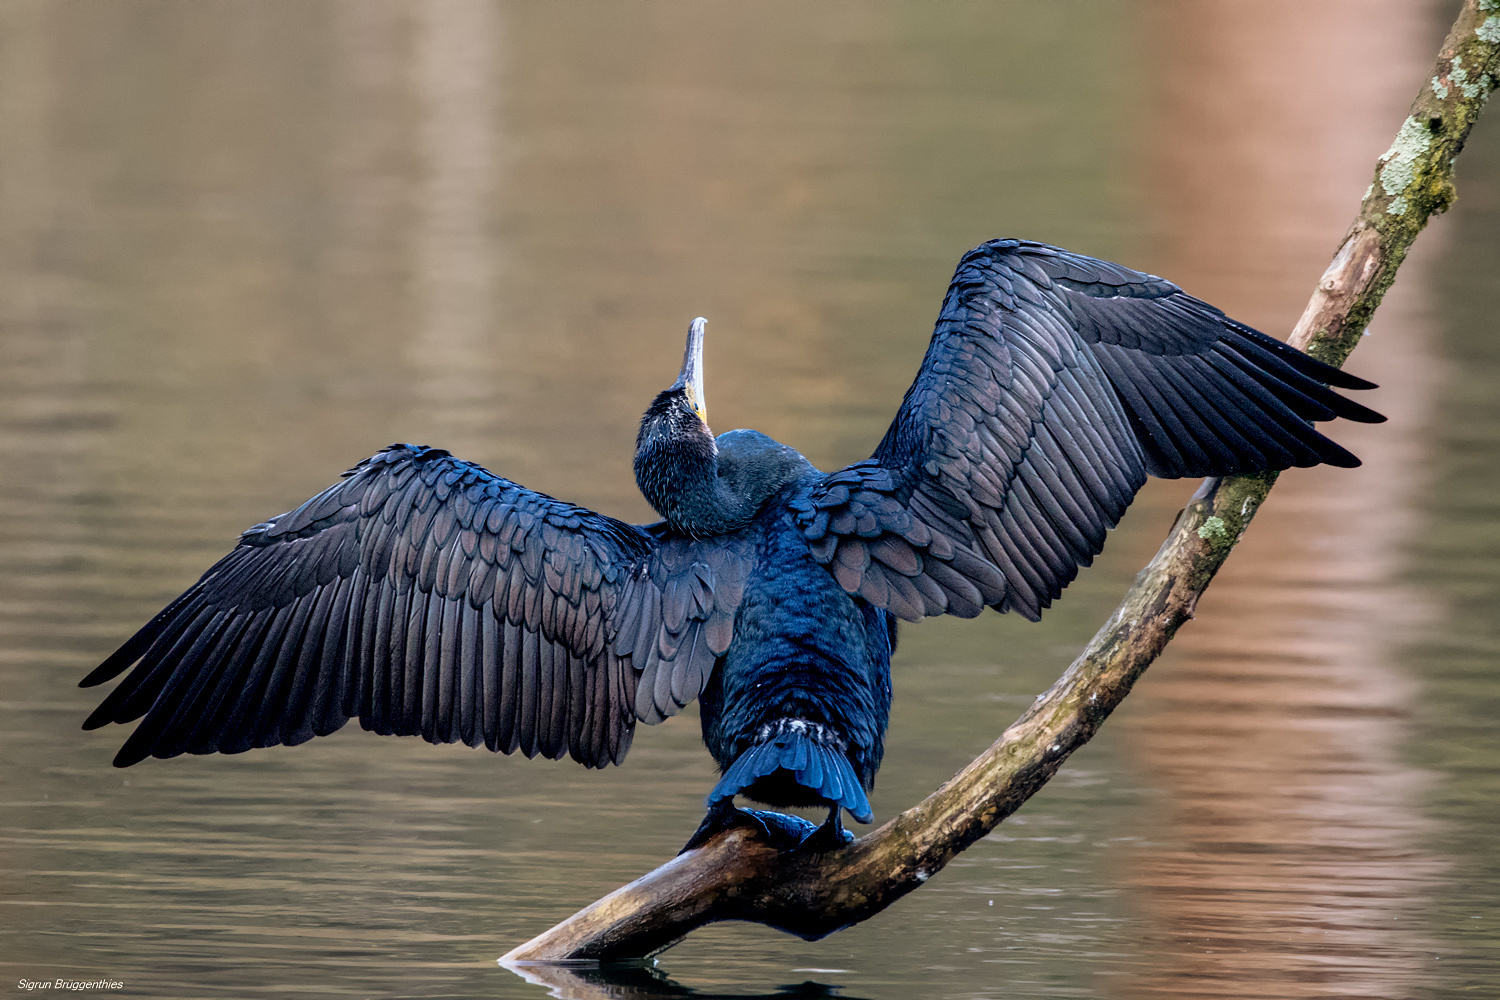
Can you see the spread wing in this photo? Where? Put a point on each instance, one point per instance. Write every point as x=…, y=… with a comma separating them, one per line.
x=1053, y=384
x=427, y=596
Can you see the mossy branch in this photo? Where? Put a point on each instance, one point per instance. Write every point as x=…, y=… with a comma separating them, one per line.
x=738, y=877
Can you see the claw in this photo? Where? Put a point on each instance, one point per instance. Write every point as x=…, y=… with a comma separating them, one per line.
x=828, y=837
x=781, y=831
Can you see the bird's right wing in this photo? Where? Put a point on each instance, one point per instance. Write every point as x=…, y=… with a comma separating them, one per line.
x=427, y=596
x=1053, y=384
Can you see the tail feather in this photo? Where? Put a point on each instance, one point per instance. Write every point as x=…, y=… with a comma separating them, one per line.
x=814, y=757
x=749, y=767
x=812, y=775
x=795, y=757
x=833, y=783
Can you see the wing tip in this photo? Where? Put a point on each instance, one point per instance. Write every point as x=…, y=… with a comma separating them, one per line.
x=129, y=755
x=97, y=676
x=97, y=719
x=1361, y=414
x=1341, y=458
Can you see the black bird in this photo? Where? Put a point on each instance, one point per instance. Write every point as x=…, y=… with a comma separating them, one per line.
x=425, y=595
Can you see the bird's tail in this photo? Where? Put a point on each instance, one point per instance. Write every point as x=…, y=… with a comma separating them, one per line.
x=814, y=757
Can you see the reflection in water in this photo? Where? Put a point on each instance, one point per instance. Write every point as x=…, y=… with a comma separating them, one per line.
x=1292, y=858
x=370, y=158
x=457, y=79
x=53, y=409
x=647, y=982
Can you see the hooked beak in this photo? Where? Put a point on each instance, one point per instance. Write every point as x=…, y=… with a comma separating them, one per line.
x=691, y=378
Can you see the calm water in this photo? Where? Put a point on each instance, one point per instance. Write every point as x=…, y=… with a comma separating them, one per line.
x=244, y=245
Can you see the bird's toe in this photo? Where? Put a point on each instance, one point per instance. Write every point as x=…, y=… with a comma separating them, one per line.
x=828, y=837
x=781, y=831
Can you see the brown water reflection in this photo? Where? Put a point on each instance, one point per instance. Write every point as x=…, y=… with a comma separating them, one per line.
x=1293, y=862
x=243, y=245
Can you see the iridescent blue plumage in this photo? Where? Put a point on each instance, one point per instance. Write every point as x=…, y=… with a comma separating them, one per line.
x=427, y=596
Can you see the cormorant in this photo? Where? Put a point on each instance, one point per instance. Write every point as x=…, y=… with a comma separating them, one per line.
x=426, y=595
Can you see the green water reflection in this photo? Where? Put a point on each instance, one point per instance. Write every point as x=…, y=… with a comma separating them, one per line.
x=244, y=245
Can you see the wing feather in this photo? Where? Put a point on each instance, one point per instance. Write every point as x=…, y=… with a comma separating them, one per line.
x=1053, y=384
x=532, y=690
x=429, y=597
x=469, y=720
x=512, y=679
x=488, y=653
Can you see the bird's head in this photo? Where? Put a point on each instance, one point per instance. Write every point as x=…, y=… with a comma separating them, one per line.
x=678, y=416
x=701, y=486
x=674, y=447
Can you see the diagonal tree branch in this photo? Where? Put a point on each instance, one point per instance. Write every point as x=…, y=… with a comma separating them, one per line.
x=736, y=876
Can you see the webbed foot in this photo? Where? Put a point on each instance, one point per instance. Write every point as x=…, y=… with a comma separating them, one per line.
x=783, y=832
x=828, y=837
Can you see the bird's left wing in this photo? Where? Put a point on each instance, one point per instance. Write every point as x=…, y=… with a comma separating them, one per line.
x=1053, y=384
x=427, y=596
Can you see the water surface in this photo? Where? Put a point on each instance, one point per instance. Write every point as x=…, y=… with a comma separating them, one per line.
x=243, y=246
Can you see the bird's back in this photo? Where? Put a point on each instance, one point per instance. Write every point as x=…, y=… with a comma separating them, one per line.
x=803, y=650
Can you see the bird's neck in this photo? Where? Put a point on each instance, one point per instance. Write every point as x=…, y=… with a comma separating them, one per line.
x=679, y=476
